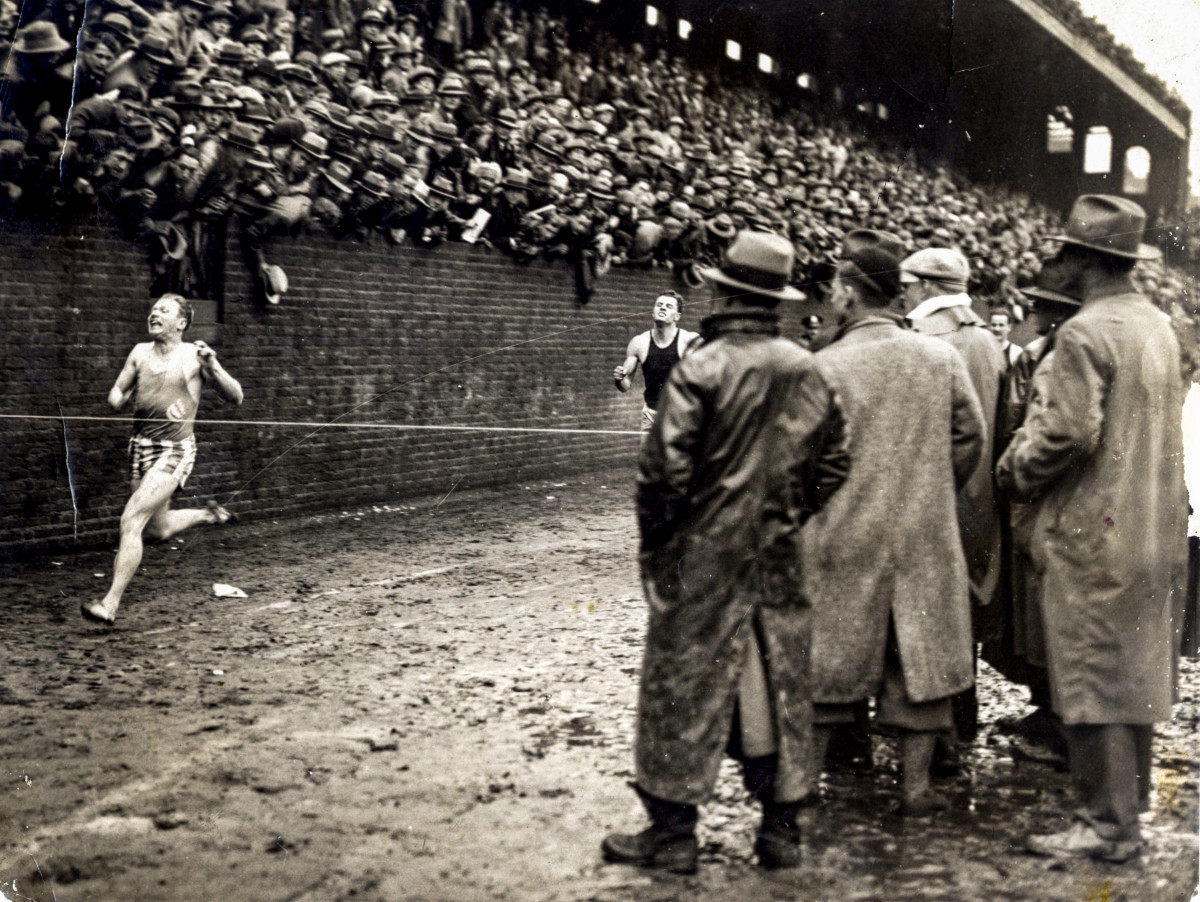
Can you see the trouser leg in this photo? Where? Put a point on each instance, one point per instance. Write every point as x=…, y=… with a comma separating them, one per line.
x=1107, y=763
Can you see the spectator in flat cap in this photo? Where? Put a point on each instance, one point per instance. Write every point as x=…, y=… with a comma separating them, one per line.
x=935, y=299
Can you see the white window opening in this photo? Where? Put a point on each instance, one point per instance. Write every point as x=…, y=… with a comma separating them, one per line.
x=1137, y=171
x=1097, y=151
x=733, y=50
x=685, y=29
x=765, y=64
x=651, y=15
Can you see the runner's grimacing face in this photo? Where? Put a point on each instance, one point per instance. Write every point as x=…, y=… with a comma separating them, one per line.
x=165, y=317
x=666, y=310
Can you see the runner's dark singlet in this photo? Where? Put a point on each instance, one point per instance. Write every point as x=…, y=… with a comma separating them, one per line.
x=657, y=366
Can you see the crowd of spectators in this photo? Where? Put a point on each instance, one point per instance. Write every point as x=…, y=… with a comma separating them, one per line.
x=426, y=121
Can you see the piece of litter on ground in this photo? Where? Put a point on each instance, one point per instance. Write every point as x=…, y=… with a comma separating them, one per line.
x=218, y=673
x=56, y=563
x=221, y=590
x=97, y=574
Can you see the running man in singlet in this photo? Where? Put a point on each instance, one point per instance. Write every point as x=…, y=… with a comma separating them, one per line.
x=657, y=351
x=163, y=378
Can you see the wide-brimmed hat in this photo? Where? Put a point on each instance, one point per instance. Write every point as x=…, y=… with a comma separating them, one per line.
x=1111, y=225
x=759, y=264
x=721, y=225
x=1052, y=283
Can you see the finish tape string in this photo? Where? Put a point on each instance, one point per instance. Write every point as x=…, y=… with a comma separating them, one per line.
x=310, y=425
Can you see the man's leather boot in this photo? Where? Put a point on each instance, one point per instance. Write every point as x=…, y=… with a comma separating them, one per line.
x=668, y=844
x=777, y=844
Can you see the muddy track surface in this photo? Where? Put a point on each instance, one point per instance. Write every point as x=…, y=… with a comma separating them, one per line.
x=434, y=701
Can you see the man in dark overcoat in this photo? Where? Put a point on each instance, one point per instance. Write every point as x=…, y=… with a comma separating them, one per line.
x=883, y=563
x=1103, y=456
x=748, y=441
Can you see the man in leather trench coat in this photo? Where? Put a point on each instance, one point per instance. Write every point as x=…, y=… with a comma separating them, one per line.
x=748, y=442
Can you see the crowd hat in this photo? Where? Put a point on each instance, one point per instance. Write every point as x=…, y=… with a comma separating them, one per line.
x=453, y=84
x=339, y=174
x=722, y=226
x=314, y=145
x=154, y=47
x=393, y=164
x=118, y=25
x=442, y=185
x=232, y=54
x=759, y=264
x=1111, y=225
x=1051, y=284
x=516, y=178
x=372, y=16
x=445, y=132
x=507, y=118
x=858, y=239
x=243, y=135
x=938, y=264
x=374, y=183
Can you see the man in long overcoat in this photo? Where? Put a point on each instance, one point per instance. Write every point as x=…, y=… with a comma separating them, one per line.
x=935, y=298
x=1019, y=652
x=748, y=441
x=1103, y=455
x=883, y=563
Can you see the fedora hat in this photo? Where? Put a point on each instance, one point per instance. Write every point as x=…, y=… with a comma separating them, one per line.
x=758, y=263
x=1052, y=283
x=38, y=38
x=1110, y=225
x=857, y=239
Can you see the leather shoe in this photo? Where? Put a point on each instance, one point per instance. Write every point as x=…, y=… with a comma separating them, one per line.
x=674, y=851
x=1082, y=841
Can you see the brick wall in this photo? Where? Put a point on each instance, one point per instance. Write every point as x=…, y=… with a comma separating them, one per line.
x=366, y=334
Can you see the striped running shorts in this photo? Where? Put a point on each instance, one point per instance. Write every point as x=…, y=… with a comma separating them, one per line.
x=173, y=458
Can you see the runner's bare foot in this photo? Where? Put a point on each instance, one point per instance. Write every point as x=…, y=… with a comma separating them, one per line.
x=220, y=515
x=97, y=613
